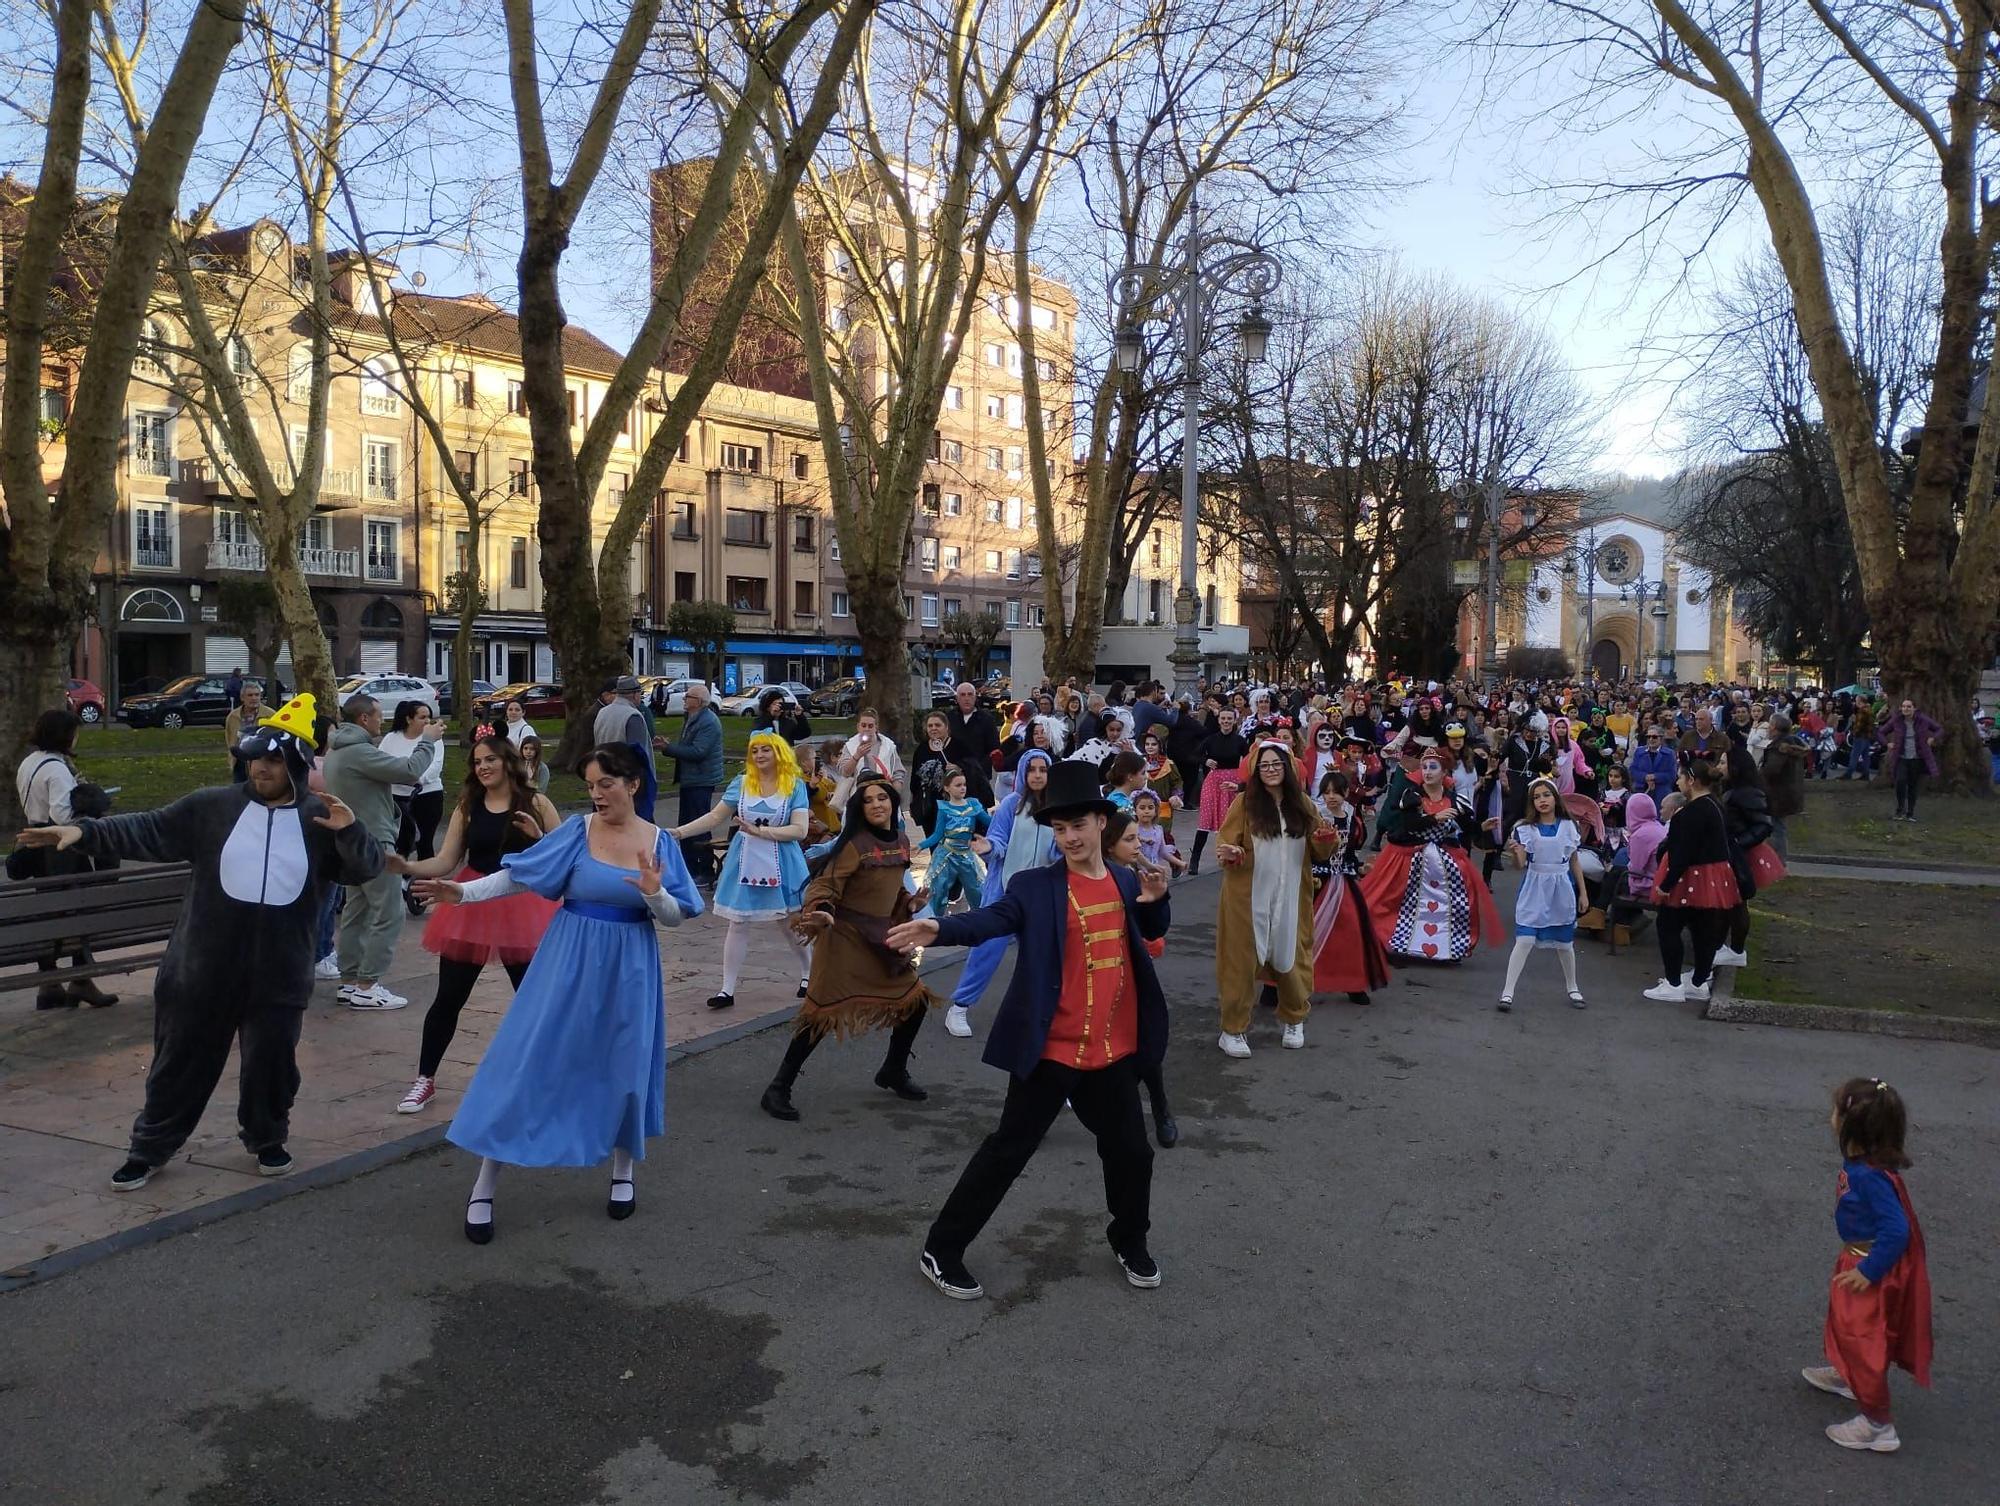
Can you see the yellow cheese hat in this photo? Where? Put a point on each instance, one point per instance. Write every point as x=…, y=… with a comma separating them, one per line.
x=297, y=717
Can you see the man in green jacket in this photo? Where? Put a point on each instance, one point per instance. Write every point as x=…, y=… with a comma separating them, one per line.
x=360, y=774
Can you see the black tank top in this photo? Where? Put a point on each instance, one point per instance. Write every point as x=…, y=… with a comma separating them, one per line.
x=488, y=835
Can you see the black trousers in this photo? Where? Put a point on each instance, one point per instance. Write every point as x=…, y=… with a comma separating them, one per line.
x=416, y=833
x=699, y=852
x=1909, y=774
x=1705, y=928
x=191, y=1047
x=455, y=980
x=1107, y=1104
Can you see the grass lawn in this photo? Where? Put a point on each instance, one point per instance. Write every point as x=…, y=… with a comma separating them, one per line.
x=1844, y=819
x=152, y=767
x=1915, y=948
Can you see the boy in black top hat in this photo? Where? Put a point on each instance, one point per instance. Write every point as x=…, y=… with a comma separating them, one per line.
x=1083, y=1011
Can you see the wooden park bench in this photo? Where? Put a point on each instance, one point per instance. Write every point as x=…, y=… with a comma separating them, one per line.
x=131, y=911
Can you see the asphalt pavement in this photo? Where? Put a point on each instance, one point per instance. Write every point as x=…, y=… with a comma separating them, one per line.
x=1442, y=1255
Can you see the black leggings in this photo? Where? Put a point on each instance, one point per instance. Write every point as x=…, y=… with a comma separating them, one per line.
x=1909, y=773
x=455, y=980
x=1739, y=928
x=417, y=831
x=1200, y=841
x=1704, y=927
x=894, y=1063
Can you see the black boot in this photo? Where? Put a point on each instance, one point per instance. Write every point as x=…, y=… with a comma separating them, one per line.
x=1360, y=998
x=895, y=1073
x=86, y=991
x=51, y=996
x=777, y=1099
x=898, y=1081
x=1165, y=1130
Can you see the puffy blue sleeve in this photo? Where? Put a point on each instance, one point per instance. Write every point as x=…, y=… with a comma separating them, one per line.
x=546, y=866
x=733, y=796
x=1892, y=1226
x=675, y=878
x=1002, y=828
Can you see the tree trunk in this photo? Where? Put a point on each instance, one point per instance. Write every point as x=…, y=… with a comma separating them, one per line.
x=312, y=660
x=470, y=594
x=877, y=599
x=1924, y=660
x=32, y=660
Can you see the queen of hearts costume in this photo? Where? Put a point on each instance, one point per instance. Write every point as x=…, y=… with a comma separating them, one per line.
x=1426, y=898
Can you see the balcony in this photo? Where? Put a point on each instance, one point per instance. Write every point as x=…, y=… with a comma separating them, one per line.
x=226, y=554
x=150, y=463
x=340, y=486
x=153, y=556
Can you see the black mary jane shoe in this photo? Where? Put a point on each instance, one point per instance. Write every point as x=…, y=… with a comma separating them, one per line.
x=479, y=1234
x=1359, y=998
x=777, y=1102
x=901, y=1085
x=52, y=996
x=804, y=983
x=1166, y=1130
x=628, y=1207
x=721, y=1001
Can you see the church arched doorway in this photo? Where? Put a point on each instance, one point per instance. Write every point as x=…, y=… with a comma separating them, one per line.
x=1607, y=660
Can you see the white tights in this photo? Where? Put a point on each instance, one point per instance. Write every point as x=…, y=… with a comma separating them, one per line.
x=478, y=1212
x=1565, y=954
x=736, y=946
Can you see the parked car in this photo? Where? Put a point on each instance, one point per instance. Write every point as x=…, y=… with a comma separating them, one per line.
x=86, y=700
x=837, y=698
x=676, y=691
x=388, y=691
x=798, y=692
x=743, y=703
x=538, y=699
x=190, y=701
x=444, y=698
x=994, y=692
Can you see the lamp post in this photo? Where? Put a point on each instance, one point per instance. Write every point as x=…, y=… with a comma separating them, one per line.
x=1184, y=297
x=1585, y=549
x=1494, y=489
x=1639, y=592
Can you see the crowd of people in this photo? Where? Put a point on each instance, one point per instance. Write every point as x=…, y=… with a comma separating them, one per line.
x=1358, y=829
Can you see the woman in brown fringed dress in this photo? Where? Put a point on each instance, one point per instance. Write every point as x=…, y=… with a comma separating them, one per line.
x=858, y=984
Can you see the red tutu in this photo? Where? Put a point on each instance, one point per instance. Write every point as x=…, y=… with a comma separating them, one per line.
x=1706, y=886
x=1348, y=957
x=1765, y=865
x=507, y=929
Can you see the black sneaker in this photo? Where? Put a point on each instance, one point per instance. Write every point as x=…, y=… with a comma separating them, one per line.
x=952, y=1278
x=1140, y=1269
x=133, y=1175
x=274, y=1161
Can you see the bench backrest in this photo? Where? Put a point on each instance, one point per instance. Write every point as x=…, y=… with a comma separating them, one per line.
x=124, y=907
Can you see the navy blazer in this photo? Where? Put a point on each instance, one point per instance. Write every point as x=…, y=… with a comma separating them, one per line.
x=1035, y=909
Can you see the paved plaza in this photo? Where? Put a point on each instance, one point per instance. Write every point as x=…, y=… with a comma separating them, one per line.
x=1440, y=1256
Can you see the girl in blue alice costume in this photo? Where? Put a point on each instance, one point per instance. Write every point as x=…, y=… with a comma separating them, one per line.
x=955, y=870
x=1552, y=892
x=764, y=872
x=1016, y=841
x=577, y=1070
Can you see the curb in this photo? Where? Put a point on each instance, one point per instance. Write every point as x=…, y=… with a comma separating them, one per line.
x=1915, y=865
x=343, y=1169
x=1964, y=1032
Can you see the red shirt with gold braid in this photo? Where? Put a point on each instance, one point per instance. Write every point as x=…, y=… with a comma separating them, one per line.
x=1097, y=1020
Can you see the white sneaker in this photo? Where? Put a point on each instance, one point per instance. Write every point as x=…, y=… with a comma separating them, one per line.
x=1690, y=989
x=1667, y=992
x=422, y=1091
x=957, y=1022
x=1233, y=1045
x=1859, y=1432
x=1826, y=1378
x=375, y=996
x=1295, y=1037
x=327, y=967
x=1728, y=956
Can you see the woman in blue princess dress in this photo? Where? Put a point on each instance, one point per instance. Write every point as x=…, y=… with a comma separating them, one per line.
x=578, y=1068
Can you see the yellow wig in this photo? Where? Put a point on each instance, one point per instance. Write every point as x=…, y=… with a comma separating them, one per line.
x=788, y=766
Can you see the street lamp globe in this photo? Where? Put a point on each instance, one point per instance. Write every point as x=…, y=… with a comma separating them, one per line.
x=1255, y=332
x=1461, y=519
x=1131, y=348
x=1530, y=515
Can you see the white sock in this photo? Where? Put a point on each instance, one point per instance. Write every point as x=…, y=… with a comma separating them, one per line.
x=1566, y=955
x=622, y=1190
x=1516, y=960
x=482, y=1187
x=735, y=947
x=800, y=950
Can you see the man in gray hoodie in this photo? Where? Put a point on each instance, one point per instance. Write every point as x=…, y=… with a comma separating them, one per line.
x=360, y=775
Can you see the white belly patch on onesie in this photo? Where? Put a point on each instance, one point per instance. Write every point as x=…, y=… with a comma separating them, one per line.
x=264, y=862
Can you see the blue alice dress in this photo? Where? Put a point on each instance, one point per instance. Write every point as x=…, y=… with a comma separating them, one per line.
x=578, y=1068
x=1545, y=908
x=762, y=880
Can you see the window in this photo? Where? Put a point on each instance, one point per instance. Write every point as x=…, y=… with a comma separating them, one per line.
x=299, y=373
x=749, y=593
x=995, y=355
x=153, y=535
x=1034, y=614
x=462, y=390
x=833, y=547
x=909, y=607
x=1013, y=564
x=801, y=466
x=378, y=389
x=954, y=452
x=930, y=609
x=517, y=563
x=954, y=505
x=517, y=478
x=1017, y=411
x=1013, y=512
x=461, y=551
x=151, y=453
x=932, y=498
x=950, y=557
x=1034, y=567
x=383, y=550
x=240, y=362
x=153, y=346
x=1211, y=606
x=684, y=520
x=55, y=402
x=928, y=550
x=954, y=606
x=1014, y=359
x=954, y=399
x=994, y=510
x=802, y=598
x=684, y=585
x=316, y=533
x=837, y=604
x=1013, y=612
x=995, y=459
x=517, y=400
x=993, y=562
x=935, y=449
x=836, y=318
x=743, y=457
x=996, y=405
x=468, y=468
x=1014, y=460
x=802, y=531
x=741, y=525
x=379, y=464
x=231, y=528
x=1155, y=598
x=1156, y=546
x=577, y=409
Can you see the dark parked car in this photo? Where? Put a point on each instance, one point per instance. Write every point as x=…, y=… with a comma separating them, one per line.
x=994, y=692
x=480, y=690
x=538, y=699
x=86, y=700
x=837, y=698
x=191, y=701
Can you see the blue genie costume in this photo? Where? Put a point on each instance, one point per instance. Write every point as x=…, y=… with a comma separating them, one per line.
x=955, y=868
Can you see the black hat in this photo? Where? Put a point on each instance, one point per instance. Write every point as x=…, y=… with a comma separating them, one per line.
x=1073, y=790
